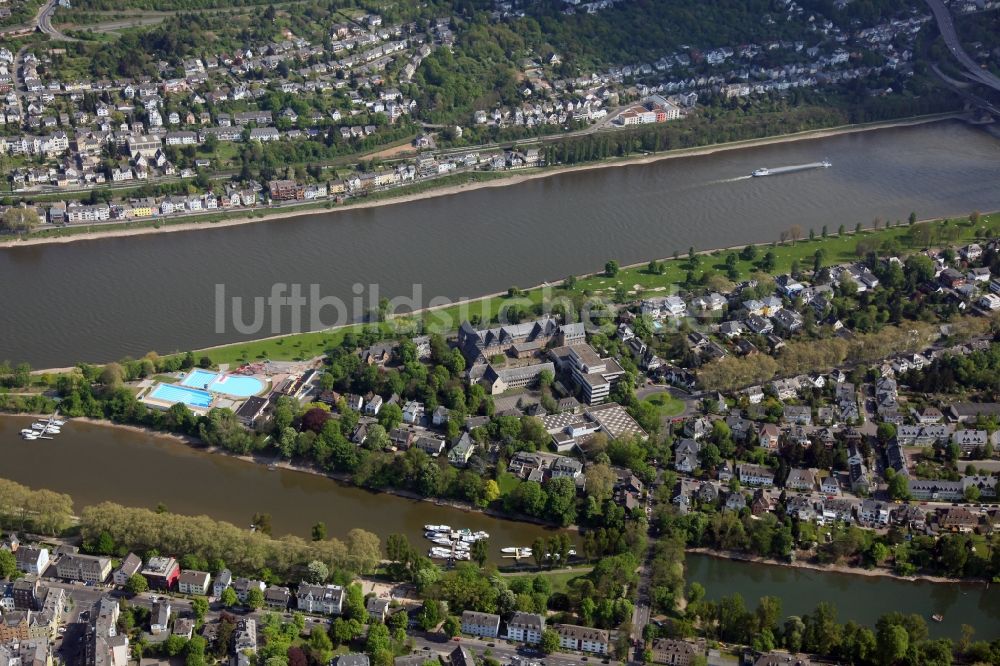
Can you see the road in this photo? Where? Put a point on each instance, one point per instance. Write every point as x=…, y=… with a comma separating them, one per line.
x=44, y=22
x=641, y=612
x=946, y=24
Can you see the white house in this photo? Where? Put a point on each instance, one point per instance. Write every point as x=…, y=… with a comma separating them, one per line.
x=526, y=627
x=480, y=624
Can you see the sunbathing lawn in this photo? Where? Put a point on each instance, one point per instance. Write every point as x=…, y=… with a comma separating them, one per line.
x=636, y=281
x=559, y=580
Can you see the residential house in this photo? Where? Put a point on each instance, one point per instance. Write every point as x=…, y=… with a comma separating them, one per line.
x=130, y=566
x=797, y=414
x=755, y=475
x=462, y=451
x=277, y=597
x=242, y=587
x=222, y=581
x=525, y=627
x=676, y=652
x=486, y=625
x=87, y=568
x=801, y=479
x=378, y=608
x=769, y=436
x=582, y=639
x=328, y=599
x=159, y=617
x=193, y=582
x=32, y=559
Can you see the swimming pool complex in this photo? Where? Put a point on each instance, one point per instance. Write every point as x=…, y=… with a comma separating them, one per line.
x=172, y=393
x=237, y=386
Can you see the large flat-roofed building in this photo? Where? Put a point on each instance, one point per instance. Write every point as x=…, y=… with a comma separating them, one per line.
x=593, y=375
x=161, y=572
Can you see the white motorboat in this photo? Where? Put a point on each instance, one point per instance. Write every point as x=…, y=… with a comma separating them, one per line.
x=30, y=436
x=437, y=528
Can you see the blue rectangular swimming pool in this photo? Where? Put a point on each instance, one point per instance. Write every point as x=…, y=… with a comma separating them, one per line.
x=238, y=386
x=173, y=394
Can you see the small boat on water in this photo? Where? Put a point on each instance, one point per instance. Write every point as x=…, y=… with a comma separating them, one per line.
x=826, y=164
x=937, y=617
x=30, y=435
x=49, y=430
x=437, y=528
x=763, y=171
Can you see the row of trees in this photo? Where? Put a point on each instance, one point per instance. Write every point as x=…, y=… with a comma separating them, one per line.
x=44, y=511
x=144, y=530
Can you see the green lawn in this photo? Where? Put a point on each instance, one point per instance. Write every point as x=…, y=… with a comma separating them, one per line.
x=666, y=404
x=558, y=580
x=165, y=379
x=507, y=482
x=636, y=281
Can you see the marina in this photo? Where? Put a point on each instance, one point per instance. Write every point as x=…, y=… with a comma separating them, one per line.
x=43, y=429
x=452, y=544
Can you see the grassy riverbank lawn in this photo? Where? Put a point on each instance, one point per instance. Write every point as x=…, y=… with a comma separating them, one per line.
x=636, y=281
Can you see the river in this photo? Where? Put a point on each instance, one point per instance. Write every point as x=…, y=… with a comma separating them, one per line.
x=859, y=598
x=95, y=463
x=104, y=299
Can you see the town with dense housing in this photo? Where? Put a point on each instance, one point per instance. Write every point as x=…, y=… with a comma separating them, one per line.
x=822, y=406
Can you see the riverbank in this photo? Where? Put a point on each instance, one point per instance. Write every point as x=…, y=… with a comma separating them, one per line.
x=838, y=247
x=341, y=478
x=504, y=180
x=877, y=572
